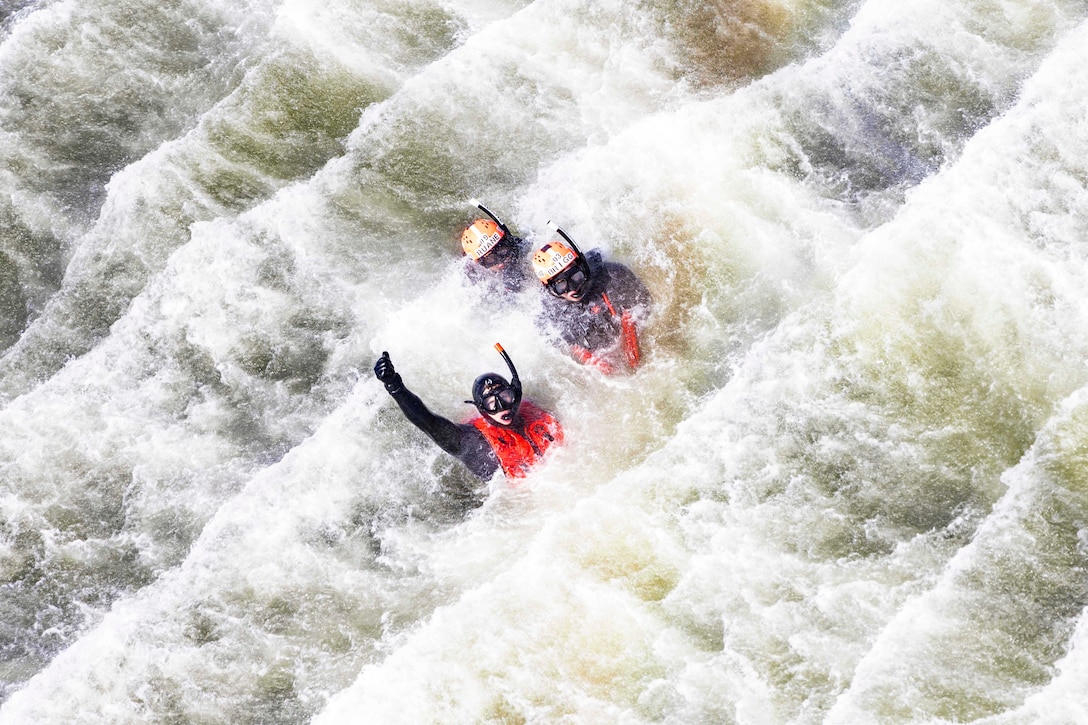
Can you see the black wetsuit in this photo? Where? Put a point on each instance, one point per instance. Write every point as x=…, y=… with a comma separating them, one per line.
x=463, y=441
x=593, y=324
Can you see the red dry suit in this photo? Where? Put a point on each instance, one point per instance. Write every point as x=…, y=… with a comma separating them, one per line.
x=519, y=448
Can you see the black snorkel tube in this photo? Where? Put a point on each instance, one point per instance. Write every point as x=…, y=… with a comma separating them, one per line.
x=515, y=381
x=494, y=218
x=555, y=228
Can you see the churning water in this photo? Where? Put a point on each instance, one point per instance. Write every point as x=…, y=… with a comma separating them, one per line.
x=848, y=485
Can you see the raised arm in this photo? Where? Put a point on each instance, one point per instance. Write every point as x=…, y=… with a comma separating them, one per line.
x=447, y=434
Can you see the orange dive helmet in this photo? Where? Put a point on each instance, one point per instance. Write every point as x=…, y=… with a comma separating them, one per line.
x=551, y=259
x=480, y=237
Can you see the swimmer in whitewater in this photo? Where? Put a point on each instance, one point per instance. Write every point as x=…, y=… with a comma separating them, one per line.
x=595, y=306
x=509, y=433
x=494, y=252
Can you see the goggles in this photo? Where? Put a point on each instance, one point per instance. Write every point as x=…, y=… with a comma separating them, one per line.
x=502, y=399
x=499, y=254
x=573, y=280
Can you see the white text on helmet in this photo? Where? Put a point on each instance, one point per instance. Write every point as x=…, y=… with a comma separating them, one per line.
x=486, y=243
x=557, y=266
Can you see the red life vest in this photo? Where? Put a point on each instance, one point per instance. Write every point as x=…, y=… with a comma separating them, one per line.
x=518, y=451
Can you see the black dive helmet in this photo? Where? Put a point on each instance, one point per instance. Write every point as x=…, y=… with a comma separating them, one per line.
x=492, y=394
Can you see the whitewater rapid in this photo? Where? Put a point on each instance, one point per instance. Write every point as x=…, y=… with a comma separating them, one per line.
x=848, y=485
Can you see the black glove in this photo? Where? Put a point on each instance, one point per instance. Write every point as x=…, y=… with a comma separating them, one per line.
x=384, y=371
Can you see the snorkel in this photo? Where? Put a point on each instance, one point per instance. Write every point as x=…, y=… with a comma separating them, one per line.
x=494, y=218
x=558, y=230
x=515, y=381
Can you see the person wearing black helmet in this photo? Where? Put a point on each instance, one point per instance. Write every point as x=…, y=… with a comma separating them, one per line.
x=494, y=252
x=595, y=306
x=509, y=433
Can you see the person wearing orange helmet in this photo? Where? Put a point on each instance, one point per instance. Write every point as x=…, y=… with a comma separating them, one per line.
x=508, y=433
x=493, y=251
x=595, y=306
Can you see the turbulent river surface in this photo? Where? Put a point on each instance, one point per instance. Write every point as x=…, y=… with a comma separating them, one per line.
x=848, y=485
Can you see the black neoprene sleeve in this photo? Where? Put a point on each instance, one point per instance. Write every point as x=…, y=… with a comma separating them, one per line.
x=445, y=433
